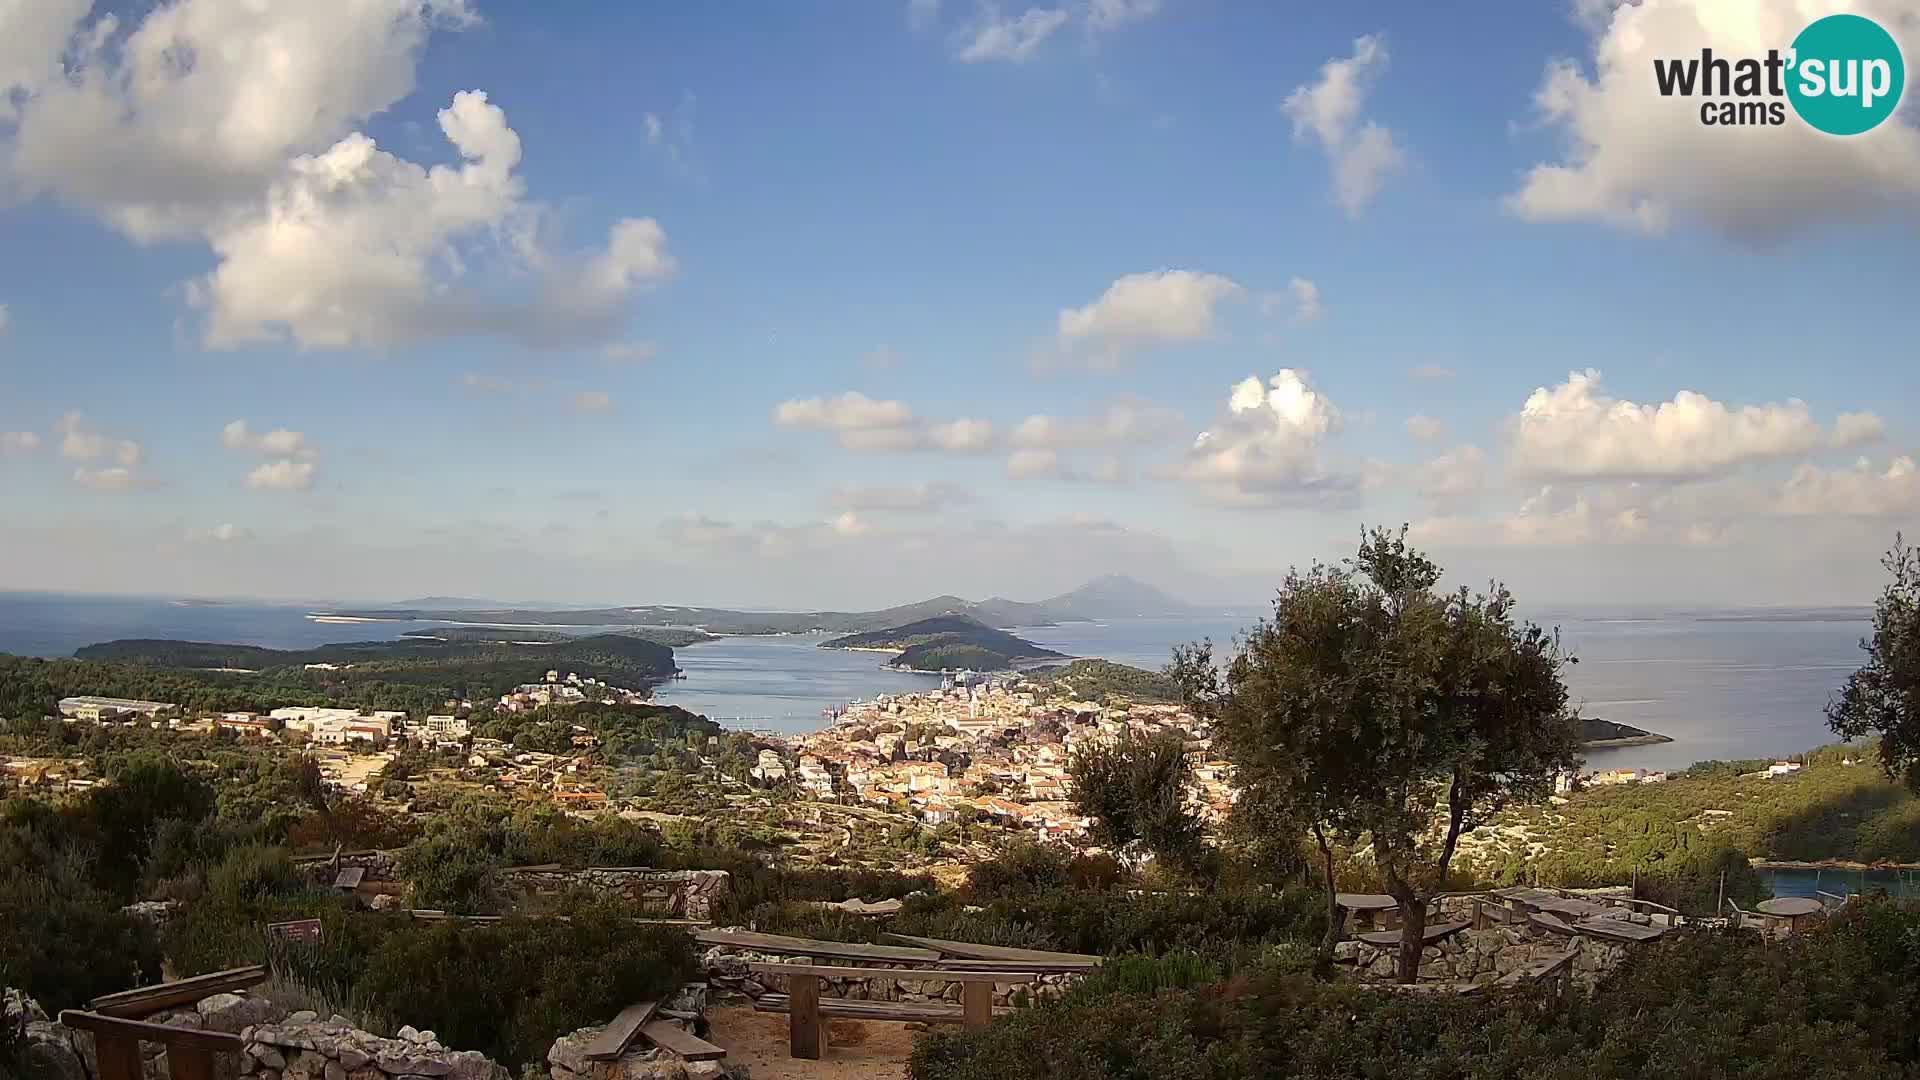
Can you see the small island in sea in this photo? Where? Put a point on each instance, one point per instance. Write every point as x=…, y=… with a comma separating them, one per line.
x=1603, y=734
x=948, y=642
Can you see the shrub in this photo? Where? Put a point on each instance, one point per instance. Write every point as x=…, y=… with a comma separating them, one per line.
x=65, y=941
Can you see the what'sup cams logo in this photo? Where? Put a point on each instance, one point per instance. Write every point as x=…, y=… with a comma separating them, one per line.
x=1843, y=75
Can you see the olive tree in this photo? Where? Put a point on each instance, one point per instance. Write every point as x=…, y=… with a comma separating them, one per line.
x=1372, y=710
x=1882, y=698
x=1135, y=789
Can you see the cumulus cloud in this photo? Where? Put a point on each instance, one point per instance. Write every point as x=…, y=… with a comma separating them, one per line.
x=1009, y=38
x=1362, y=153
x=1456, y=474
x=963, y=436
x=18, y=442
x=1425, y=428
x=1855, y=428
x=1121, y=422
x=279, y=442
x=907, y=499
x=1266, y=448
x=281, y=476
x=1575, y=430
x=111, y=478
x=1140, y=310
x=234, y=124
x=1029, y=463
x=1862, y=491
x=851, y=411
x=79, y=442
x=1639, y=161
x=1561, y=517
x=592, y=401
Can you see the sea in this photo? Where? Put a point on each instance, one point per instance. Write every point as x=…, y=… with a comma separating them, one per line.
x=1725, y=688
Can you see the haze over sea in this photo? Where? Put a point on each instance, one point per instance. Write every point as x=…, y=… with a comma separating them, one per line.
x=1752, y=687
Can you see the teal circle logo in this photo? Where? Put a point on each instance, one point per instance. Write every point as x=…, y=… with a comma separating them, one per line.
x=1846, y=74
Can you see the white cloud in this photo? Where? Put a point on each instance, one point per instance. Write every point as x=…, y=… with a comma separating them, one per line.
x=1104, y=15
x=81, y=443
x=1012, y=38
x=629, y=352
x=1029, y=463
x=1425, y=428
x=1266, y=447
x=279, y=442
x=962, y=436
x=281, y=476
x=1306, y=300
x=592, y=401
x=234, y=124
x=1139, y=310
x=163, y=124
x=1576, y=431
x=851, y=411
x=655, y=128
x=1431, y=371
x=1558, y=517
x=1456, y=474
x=1640, y=161
x=917, y=497
x=1363, y=155
x=1856, y=428
x=1862, y=491
x=18, y=442
x=1120, y=422
x=850, y=524
x=111, y=478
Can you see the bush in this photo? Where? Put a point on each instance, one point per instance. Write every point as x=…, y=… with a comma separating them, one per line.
x=65, y=941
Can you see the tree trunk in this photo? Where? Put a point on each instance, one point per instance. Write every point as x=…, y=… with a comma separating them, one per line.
x=1336, y=925
x=1413, y=934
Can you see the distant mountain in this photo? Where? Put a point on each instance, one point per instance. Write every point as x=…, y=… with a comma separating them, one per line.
x=948, y=641
x=1110, y=597
x=450, y=603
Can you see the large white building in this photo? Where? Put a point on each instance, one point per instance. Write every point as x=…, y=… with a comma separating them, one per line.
x=106, y=708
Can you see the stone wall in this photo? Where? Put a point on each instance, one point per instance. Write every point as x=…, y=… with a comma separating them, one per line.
x=682, y=894
x=1484, y=956
x=727, y=969
x=566, y=1058
x=66, y=1054
x=304, y=1047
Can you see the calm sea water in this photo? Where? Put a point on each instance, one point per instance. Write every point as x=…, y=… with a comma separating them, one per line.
x=1720, y=689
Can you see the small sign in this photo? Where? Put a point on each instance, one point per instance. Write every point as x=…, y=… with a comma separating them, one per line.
x=296, y=932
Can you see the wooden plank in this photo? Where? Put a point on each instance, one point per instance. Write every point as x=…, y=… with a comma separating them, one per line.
x=988, y=978
x=803, y=1017
x=976, y=1005
x=612, y=1042
x=1433, y=933
x=1076, y=967
x=680, y=1041
x=187, y=1063
x=932, y=1012
x=1365, y=901
x=115, y=1058
x=147, y=1000
x=1548, y=922
x=105, y=1028
x=1618, y=930
x=794, y=946
x=349, y=877
x=970, y=951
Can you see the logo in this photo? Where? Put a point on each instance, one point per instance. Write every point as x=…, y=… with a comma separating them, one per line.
x=1842, y=75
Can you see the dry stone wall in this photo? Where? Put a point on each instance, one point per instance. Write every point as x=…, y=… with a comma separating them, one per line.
x=727, y=969
x=684, y=894
x=304, y=1047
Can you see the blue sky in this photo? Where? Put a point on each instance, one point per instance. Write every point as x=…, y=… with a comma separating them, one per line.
x=608, y=360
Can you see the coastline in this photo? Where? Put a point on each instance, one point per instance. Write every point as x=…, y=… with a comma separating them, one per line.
x=1828, y=864
x=1649, y=739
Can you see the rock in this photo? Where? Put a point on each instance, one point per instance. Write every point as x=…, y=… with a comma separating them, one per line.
x=48, y=1051
x=1347, y=952
x=235, y=1012
x=21, y=1009
x=569, y=1052
x=353, y=1058
x=267, y=1055
x=408, y=1032
x=691, y=997
x=425, y=1037
x=304, y=1016
x=474, y=1065
x=384, y=902
x=333, y=1070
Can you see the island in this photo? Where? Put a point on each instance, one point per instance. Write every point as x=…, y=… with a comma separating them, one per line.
x=670, y=636
x=1603, y=734
x=949, y=642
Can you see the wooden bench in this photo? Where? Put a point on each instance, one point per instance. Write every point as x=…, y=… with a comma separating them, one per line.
x=637, y=1020
x=1434, y=932
x=116, y=1043
x=798, y=946
x=806, y=1010
x=967, y=956
x=147, y=1000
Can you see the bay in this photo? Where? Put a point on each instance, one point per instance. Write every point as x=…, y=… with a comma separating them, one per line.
x=1721, y=689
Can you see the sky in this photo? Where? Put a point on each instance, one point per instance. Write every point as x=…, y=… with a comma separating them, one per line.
x=848, y=304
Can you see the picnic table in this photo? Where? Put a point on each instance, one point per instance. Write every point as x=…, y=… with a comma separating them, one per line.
x=1371, y=909
x=1791, y=908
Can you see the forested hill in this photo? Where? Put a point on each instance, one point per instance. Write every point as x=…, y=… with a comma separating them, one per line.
x=609, y=656
x=1109, y=597
x=948, y=641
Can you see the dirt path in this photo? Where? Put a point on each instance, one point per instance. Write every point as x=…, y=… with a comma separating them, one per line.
x=855, y=1050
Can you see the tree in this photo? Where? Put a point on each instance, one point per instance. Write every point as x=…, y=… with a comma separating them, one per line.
x=1883, y=697
x=1372, y=708
x=1135, y=789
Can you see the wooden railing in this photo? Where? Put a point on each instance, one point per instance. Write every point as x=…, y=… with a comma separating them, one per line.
x=116, y=1044
x=147, y=1000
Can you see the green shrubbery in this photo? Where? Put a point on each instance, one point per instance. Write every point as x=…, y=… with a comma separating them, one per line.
x=1840, y=1002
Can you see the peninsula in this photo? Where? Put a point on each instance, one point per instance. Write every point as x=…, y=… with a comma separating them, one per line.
x=947, y=642
x=1606, y=734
